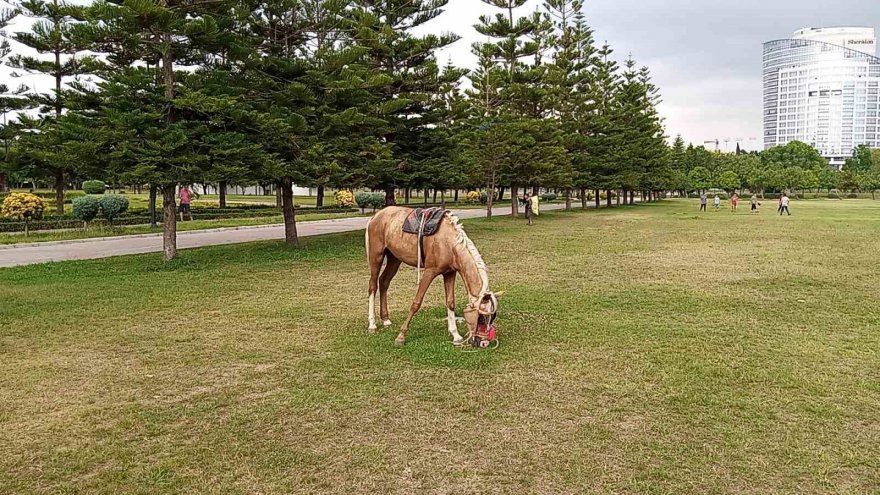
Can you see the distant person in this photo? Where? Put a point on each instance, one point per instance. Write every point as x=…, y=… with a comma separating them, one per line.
x=783, y=208
x=733, y=200
x=779, y=205
x=717, y=203
x=703, y=202
x=185, y=196
x=527, y=203
x=754, y=202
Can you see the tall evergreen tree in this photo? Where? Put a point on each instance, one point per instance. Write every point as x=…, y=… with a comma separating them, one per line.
x=146, y=43
x=388, y=29
x=53, y=34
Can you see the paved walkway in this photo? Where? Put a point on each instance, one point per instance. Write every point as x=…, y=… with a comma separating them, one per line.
x=82, y=249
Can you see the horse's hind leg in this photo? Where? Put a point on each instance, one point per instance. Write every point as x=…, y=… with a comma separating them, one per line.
x=375, y=260
x=391, y=266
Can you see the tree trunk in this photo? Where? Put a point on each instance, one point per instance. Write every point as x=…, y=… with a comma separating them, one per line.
x=222, y=186
x=290, y=236
x=443, y=199
x=425, y=195
x=4, y=183
x=319, y=198
x=406, y=193
x=632, y=197
x=435, y=196
x=455, y=199
x=536, y=190
x=608, y=198
x=278, y=201
x=584, y=198
x=490, y=195
x=169, y=222
x=514, y=200
x=59, y=191
x=154, y=191
x=500, y=193
x=598, y=198
x=568, y=199
x=390, y=200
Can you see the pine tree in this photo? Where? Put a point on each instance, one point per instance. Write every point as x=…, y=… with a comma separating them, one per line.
x=136, y=102
x=387, y=28
x=568, y=78
x=54, y=34
x=514, y=41
x=603, y=138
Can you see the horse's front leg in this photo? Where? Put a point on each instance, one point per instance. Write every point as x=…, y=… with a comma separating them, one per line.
x=428, y=276
x=449, y=285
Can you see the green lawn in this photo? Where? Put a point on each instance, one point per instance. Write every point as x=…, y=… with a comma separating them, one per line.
x=644, y=350
x=40, y=236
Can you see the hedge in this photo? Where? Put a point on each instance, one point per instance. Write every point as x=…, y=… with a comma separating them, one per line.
x=69, y=222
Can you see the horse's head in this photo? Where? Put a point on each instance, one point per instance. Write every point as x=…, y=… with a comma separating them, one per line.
x=480, y=317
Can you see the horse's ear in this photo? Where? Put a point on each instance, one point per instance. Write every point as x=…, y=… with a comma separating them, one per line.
x=498, y=294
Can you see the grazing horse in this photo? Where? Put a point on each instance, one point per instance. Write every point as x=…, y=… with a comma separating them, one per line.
x=448, y=252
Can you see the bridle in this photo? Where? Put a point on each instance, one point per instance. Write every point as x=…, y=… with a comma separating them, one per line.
x=483, y=331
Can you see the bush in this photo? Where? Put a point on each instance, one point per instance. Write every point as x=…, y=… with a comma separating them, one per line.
x=363, y=200
x=344, y=198
x=473, y=197
x=23, y=206
x=112, y=206
x=86, y=208
x=94, y=187
x=549, y=196
x=377, y=200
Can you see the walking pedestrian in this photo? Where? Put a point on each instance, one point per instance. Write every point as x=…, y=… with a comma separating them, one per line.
x=717, y=203
x=703, y=202
x=784, y=205
x=527, y=203
x=185, y=196
x=755, y=203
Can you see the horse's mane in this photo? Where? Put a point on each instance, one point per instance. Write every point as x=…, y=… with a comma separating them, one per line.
x=462, y=238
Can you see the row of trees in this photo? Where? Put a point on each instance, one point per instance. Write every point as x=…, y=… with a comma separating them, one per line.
x=327, y=93
x=791, y=167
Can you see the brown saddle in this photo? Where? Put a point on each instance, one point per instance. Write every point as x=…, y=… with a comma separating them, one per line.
x=431, y=217
x=423, y=222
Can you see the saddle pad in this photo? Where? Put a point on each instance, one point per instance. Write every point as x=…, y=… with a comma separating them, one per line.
x=433, y=217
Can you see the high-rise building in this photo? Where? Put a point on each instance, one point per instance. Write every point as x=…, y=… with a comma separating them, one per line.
x=822, y=87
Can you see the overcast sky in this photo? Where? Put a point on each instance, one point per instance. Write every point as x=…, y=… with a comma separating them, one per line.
x=705, y=55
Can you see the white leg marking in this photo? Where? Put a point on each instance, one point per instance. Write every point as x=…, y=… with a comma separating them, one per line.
x=373, y=311
x=453, y=327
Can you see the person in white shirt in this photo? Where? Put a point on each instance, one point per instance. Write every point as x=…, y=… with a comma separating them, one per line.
x=783, y=207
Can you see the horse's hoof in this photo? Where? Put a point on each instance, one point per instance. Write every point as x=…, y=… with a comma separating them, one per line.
x=386, y=323
x=459, y=342
x=399, y=342
x=372, y=329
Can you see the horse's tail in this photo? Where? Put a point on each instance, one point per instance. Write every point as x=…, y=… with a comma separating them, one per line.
x=367, y=238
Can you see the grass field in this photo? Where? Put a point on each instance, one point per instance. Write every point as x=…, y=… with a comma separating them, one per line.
x=644, y=349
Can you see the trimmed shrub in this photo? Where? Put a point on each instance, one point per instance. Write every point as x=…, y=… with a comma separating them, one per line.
x=94, y=187
x=377, y=200
x=86, y=208
x=549, y=196
x=24, y=207
x=363, y=200
x=113, y=205
x=344, y=198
